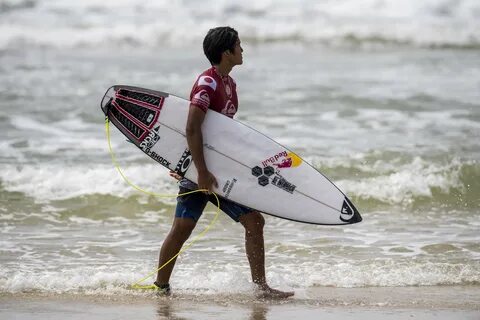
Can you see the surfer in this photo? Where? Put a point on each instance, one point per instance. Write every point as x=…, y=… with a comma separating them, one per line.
x=214, y=89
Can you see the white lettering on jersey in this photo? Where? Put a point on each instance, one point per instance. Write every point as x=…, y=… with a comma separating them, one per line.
x=207, y=81
x=203, y=96
x=228, y=90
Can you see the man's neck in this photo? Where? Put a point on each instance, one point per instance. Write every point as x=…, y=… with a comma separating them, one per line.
x=223, y=69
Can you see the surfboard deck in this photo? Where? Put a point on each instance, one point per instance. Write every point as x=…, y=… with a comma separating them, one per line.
x=251, y=168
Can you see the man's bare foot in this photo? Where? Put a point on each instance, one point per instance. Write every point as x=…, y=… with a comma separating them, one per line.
x=264, y=291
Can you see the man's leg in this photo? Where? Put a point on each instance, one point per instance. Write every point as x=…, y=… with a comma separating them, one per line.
x=254, y=246
x=179, y=233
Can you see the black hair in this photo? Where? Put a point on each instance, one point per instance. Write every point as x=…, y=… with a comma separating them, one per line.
x=217, y=41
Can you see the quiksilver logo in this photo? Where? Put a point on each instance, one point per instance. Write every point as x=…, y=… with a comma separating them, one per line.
x=346, y=213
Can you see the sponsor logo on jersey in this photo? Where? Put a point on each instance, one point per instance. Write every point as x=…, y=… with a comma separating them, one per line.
x=150, y=140
x=283, y=160
x=202, y=95
x=207, y=81
x=229, y=109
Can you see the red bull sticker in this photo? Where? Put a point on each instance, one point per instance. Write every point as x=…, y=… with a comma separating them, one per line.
x=282, y=160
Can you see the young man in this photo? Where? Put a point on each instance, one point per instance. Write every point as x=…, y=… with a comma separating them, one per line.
x=215, y=90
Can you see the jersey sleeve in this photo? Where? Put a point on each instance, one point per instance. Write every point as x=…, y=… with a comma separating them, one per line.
x=203, y=92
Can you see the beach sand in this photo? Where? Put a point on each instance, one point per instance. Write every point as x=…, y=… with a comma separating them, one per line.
x=459, y=302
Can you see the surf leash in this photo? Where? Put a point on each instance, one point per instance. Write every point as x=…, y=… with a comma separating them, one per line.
x=137, y=284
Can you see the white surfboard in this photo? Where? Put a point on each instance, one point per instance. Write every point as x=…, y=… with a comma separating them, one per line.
x=250, y=168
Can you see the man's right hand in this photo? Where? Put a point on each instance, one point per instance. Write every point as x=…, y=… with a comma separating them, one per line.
x=175, y=175
x=206, y=180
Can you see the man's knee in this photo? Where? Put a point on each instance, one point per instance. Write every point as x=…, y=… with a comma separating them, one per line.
x=253, y=223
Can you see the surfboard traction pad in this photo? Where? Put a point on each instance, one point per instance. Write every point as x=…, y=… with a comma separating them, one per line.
x=134, y=111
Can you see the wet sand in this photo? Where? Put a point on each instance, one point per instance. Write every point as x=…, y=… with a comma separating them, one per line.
x=459, y=302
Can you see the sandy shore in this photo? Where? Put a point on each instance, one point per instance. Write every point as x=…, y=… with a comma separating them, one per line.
x=325, y=303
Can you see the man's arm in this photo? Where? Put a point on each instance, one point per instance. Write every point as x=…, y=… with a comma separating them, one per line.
x=206, y=180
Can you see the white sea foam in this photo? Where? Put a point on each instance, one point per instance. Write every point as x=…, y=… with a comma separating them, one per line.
x=159, y=23
x=402, y=183
x=47, y=182
x=231, y=278
x=393, y=273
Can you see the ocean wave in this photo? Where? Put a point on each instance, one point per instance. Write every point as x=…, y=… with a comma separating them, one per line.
x=409, y=182
x=406, y=182
x=48, y=182
x=134, y=23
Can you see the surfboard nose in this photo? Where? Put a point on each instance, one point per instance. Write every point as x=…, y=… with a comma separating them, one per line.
x=349, y=214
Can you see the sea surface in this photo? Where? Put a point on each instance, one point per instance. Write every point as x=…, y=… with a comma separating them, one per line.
x=383, y=97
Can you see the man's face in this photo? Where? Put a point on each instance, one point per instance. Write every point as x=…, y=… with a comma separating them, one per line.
x=235, y=57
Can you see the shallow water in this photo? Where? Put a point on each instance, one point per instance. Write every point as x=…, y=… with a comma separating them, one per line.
x=396, y=127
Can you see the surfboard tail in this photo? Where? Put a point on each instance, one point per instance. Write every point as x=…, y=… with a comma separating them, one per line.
x=107, y=101
x=140, y=97
x=134, y=111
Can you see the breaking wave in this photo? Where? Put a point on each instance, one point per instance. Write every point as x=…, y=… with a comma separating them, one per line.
x=414, y=182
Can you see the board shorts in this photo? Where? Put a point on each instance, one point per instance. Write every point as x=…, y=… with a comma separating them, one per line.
x=193, y=204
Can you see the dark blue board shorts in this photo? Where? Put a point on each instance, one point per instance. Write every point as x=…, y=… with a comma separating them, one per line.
x=192, y=205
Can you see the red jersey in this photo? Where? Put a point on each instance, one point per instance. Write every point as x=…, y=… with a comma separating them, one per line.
x=216, y=92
